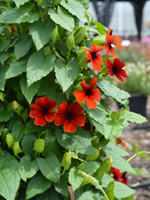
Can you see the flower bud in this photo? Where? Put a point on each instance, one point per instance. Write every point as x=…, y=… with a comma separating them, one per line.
x=70, y=41
x=55, y=35
x=80, y=34
x=99, y=40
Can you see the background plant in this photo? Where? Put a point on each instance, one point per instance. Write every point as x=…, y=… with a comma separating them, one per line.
x=42, y=57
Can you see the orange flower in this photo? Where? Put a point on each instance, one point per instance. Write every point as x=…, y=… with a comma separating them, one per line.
x=70, y=117
x=122, y=143
x=93, y=56
x=88, y=94
x=115, y=40
x=12, y=28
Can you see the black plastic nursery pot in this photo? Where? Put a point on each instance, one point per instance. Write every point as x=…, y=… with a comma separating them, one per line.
x=137, y=103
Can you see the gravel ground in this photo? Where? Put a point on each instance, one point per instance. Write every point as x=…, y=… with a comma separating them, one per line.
x=142, y=138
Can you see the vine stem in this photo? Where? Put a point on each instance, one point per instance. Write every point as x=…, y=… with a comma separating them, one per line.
x=90, y=14
x=104, y=111
x=136, y=154
x=103, y=192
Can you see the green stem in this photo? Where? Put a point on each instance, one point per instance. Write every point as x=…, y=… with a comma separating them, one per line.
x=103, y=191
x=90, y=14
x=81, y=160
x=132, y=157
x=104, y=111
x=3, y=28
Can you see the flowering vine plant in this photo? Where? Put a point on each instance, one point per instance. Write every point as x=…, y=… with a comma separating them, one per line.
x=58, y=139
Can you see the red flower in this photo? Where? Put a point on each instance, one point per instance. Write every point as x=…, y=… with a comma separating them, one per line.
x=115, y=40
x=70, y=117
x=42, y=110
x=125, y=180
x=115, y=68
x=12, y=28
x=93, y=56
x=118, y=176
x=88, y=93
x=120, y=141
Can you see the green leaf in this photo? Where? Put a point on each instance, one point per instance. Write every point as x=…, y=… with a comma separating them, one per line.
x=85, y=3
x=27, y=144
x=16, y=148
x=2, y=74
x=41, y=32
x=22, y=46
x=121, y=190
x=17, y=130
x=114, y=92
x=136, y=147
x=49, y=167
x=106, y=179
x=112, y=128
x=133, y=117
x=4, y=56
x=16, y=68
x=62, y=188
x=38, y=66
x=10, y=140
x=9, y=177
x=143, y=155
x=39, y=145
x=51, y=90
x=80, y=139
x=20, y=2
x=51, y=146
x=24, y=14
x=3, y=43
x=49, y=194
x=27, y=168
x=75, y=8
x=96, y=114
x=114, y=116
x=64, y=74
x=86, y=196
x=62, y=17
x=5, y=115
x=75, y=179
x=37, y=185
x=91, y=167
x=29, y=92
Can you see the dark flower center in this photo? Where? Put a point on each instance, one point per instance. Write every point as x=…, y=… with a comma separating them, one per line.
x=45, y=111
x=69, y=116
x=93, y=54
x=88, y=92
x=114, y=70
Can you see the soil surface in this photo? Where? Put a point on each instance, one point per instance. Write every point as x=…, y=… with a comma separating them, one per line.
x=140, y=134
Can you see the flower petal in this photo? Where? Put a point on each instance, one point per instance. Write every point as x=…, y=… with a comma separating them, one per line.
x=89, y=50
x=109, y=66
x=35, y=111
x=91, y=104
x=95, y=48
x=119, y=78
x=109, y=31
x=116, y=40
x=79, y=120
x=123, y=73
x=107, y=48
x=112, y=51
x=69, y=126
x=96, y=66
x=93, y=83
x=40, y=121
x=63, y=107
x=99, y=59
x=84, y=85
x=50, y=116
x=96, y=94
x=117, y=63
x=42, y=102
x=76, y=109
x=60, y=119
x=52, y=104
x=80, y=96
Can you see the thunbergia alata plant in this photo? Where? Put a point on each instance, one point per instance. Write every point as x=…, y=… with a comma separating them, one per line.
x=58, y=139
